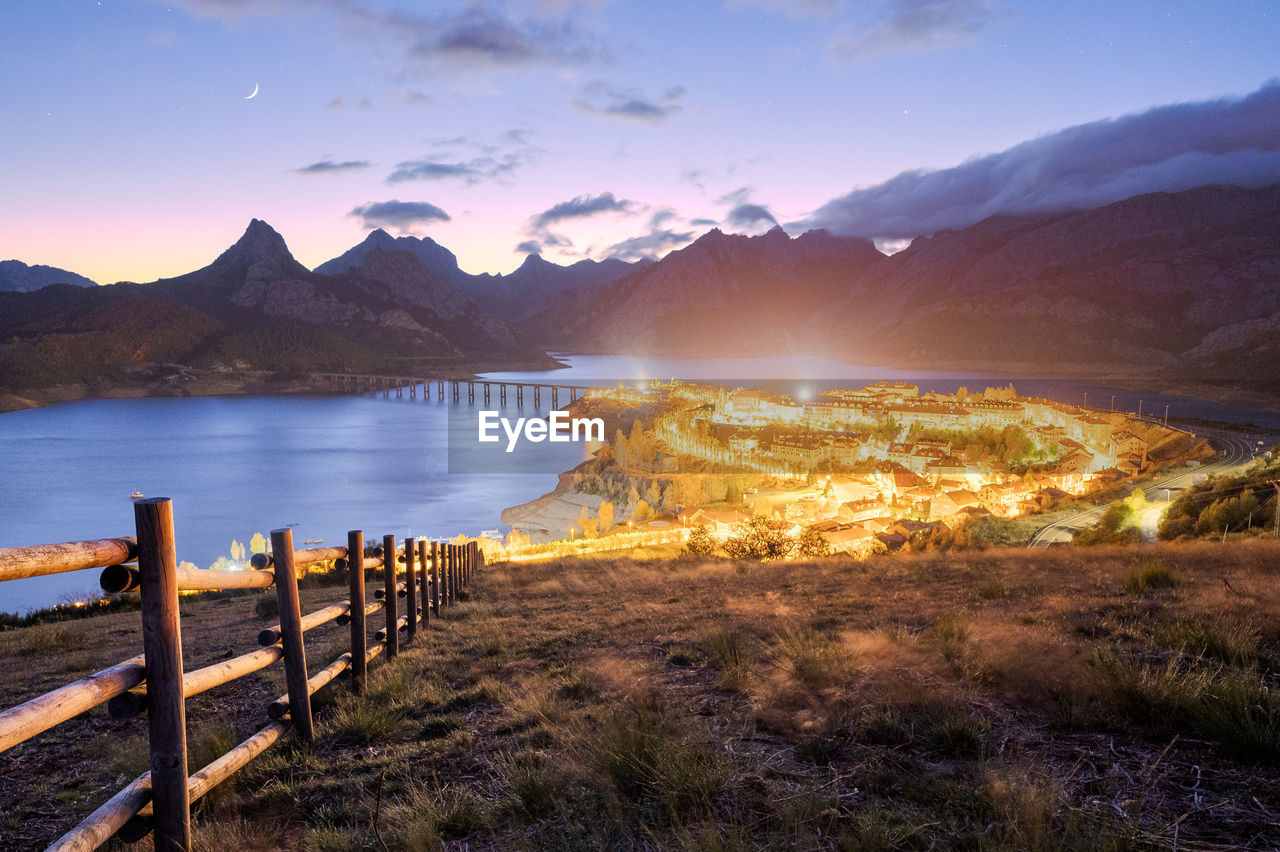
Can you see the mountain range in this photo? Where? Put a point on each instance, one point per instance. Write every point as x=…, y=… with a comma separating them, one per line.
x=1181, y=286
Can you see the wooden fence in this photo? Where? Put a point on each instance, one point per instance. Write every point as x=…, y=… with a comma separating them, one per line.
x=154, y=683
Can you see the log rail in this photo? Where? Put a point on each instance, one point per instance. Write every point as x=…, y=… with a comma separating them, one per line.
x=154, y=683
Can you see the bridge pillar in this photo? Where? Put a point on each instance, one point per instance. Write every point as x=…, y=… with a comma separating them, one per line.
x=502, y=394
x=440, y=389
x=471, y=392
x=455, y=391
x=520, y=396
x=555, y=397
x=486, y=393
x=413, y=391
x=537, y=396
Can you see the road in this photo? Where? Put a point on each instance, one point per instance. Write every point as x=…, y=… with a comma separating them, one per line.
x=1234, y=450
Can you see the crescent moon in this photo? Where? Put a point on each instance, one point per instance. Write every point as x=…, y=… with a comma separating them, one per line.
x=253, y=94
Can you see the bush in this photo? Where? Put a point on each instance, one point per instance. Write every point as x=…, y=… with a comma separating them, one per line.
x=811, y=543
x=759, y=538
x=1150, y=573
x=700, y=542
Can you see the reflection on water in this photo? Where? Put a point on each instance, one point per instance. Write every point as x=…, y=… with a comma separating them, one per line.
x=327, y=464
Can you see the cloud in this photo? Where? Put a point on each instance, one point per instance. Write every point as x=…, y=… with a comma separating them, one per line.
x=529, y=247
x=454, y=158
x=650, y=245
x=598, y=98
x=581, y=207
x=918, y=25
x=791, y=8
x=471, y=171
x=330, y=166
x=479, y=36
x=704, y=223
x=1165, y=149
x=476, y=37
x=402, y=215
x=750, y=216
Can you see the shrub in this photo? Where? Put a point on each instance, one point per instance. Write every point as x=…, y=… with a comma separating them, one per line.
x=817, y=661
x=729, y=654
x=50, y=639
x=810, y=542
x=1150, y=573
x=759, y=538
x=700, y=542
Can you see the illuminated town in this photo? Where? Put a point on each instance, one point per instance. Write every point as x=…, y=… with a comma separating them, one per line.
x=869, y=469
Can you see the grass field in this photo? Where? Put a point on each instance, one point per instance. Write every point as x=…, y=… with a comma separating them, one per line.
x=1065, y=699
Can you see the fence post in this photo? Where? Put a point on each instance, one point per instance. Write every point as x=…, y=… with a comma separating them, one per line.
x=451, y=565
x=426, y=584
x=162, y=644
x=411, y=588
x=295, y=652
x=359, y=634
x=436, y=557
x=391, y=602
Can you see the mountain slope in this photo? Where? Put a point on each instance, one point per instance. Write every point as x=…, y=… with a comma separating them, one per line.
x=18, y=277
x=253, y=307
x=1132, y=285
x=530, y=287
x=721, y=294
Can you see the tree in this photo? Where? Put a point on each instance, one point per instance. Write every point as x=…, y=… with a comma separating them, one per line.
x=700, y=542
x=606, y=517
x=1117, y=526
x=653, y=494
x=810, y=542
x=759, y=538
x=586, y=523
x=642, y=511
x=620, y=449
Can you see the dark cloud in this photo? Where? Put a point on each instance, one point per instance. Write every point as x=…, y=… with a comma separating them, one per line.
x=402, y=215
x=919, y=25
x=1166, y=149
x=476, y=37
x=739, y=196
x=600, y=98
x=750, y=216
x=529, y=247
x=471, y=171
x=582, y=206
x=650, y=245
x=330, y=166
x=481, y=37
x=703, y=223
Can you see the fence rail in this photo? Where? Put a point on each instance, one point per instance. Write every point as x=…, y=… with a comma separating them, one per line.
x=154, y=682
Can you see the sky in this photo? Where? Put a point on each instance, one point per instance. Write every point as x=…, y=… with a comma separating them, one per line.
x=132, y=150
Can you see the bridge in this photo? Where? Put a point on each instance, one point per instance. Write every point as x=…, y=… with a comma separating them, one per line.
x=487, y=388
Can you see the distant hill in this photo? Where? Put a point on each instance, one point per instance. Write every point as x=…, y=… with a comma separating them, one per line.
x=511, y=296
x=253, y=307
x=1181, y=285
x=17, y=277
x=722, y=294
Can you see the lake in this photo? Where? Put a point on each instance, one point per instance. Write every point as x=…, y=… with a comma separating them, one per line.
x=324, y=465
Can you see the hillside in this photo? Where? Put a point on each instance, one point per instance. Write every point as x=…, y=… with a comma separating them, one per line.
x=530, y=287
x=1183, y=286
x=16, y=276
x=253, y=308
x=1067, y=699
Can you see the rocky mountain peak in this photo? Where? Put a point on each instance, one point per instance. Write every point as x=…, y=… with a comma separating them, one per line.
x=260, y=242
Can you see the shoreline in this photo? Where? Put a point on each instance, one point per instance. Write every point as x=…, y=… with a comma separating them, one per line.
x=549, y=517
x=174, y=381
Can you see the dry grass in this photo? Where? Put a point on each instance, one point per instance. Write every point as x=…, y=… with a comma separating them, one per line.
x=1016, y=700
